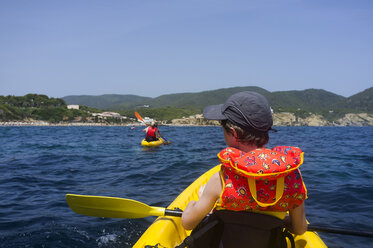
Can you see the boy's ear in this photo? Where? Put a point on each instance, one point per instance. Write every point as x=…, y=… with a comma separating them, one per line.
x=233, y=131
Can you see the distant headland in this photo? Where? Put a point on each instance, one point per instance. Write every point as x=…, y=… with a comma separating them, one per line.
x=311, y=107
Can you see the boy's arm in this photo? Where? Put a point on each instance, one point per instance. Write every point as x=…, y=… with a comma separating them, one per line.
x=197, y=210
x=297, y=223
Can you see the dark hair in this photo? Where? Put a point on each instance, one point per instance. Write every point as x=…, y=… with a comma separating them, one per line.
x=246, y=136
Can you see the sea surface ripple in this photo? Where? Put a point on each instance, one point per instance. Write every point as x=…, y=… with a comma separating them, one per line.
x=39, y=165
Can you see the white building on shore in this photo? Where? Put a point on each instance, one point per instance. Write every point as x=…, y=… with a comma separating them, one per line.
x=73, y=106
x=147, y=120
x=105, y=115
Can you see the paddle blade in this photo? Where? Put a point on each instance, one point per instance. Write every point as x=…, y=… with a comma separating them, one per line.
x=138, y=116
x=111, y=207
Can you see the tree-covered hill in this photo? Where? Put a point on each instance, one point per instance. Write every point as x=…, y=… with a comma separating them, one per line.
x=312, y=100
x=104, y=101
x=171, y=106
x=362, y=101
x=193, y=100
x=297, y=101
x=38, y=107
x=201, y=99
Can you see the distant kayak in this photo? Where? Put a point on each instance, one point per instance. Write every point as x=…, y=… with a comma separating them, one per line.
x=152, y=143
x=167, y=231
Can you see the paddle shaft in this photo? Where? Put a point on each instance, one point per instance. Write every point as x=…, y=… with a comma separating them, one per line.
x=170, y=212
x=312, y=228
x=339, y=231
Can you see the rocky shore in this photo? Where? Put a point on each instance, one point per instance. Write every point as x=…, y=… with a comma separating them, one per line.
x=289, y=119
x=279, y=119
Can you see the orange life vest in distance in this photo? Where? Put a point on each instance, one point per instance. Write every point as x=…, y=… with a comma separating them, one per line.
x=262, y=179
x=151, y=132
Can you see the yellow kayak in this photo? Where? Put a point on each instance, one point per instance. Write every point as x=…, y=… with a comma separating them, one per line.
x=152, y=143
x=167, y=231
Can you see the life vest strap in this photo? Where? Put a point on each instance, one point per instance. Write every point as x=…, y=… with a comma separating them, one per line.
x=279, y=191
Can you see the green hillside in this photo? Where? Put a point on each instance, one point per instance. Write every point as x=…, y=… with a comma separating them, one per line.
x=312, y=100
x=38, y=107
x=297, y=101
x=180, y=100
x=104, y=101
x=199, y=100
x=166, y=107
x=362, y=101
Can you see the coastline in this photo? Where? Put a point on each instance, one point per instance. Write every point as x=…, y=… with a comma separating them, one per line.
x=279, y=119
x=67, y=124
x=86, y=124
x=82, y=124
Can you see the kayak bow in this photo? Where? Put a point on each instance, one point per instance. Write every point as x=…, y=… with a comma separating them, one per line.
x=158, y=142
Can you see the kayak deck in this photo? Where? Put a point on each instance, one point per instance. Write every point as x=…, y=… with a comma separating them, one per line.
x=168, y=231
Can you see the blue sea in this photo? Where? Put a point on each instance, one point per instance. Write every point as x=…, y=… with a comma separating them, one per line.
x=40, y=165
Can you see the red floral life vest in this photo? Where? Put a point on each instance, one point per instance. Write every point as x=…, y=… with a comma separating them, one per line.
x=151, y=132
x=262, y=179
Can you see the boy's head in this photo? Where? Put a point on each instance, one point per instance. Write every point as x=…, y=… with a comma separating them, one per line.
x=248, y=113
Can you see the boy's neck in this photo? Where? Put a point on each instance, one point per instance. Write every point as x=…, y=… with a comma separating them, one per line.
x=246, y=147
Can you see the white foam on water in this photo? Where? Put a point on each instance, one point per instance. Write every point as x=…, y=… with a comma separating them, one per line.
x=106, y=239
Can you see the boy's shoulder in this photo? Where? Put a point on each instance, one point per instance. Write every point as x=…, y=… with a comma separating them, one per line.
x=262, y=162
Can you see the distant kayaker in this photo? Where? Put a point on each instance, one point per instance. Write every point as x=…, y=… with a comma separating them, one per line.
x=252, y=178
x=152, y=132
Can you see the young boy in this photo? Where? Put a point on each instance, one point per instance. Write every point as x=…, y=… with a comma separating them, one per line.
x=250, y=177
x=152, y=132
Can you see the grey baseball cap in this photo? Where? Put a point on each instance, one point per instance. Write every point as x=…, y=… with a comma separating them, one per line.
x=247, y=109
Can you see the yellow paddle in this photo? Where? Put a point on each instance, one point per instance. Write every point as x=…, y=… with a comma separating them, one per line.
x=138, y=116
x=112, y=207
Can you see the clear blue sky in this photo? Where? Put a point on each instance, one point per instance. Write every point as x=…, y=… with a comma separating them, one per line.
x=156, y=47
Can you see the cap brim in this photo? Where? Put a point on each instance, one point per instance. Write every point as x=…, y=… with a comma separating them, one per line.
x=214, y=112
